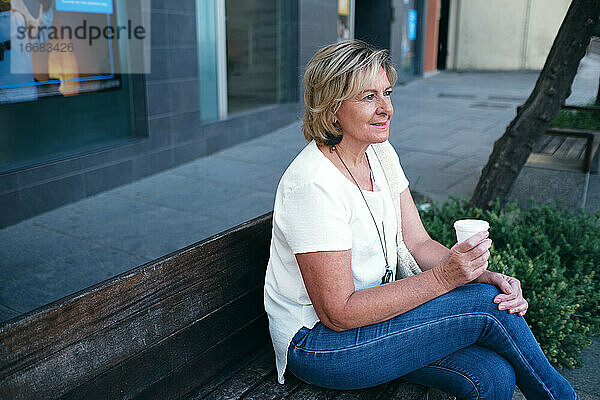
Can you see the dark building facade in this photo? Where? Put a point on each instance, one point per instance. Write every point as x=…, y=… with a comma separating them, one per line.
x=222, y=72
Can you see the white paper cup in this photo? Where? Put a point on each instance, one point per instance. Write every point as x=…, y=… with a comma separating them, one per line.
x=465, y=228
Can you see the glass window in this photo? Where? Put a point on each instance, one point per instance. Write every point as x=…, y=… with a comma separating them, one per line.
x=410, y=27
x=344, y=20
x=258, y=53
x=59, y=94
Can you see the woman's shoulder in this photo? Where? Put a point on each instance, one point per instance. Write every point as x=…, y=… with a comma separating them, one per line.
x=308, y=168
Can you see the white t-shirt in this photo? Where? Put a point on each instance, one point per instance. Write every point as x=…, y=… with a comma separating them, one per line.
x=318, y=209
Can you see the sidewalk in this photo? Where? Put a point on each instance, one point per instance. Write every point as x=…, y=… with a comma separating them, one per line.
x=444, y=128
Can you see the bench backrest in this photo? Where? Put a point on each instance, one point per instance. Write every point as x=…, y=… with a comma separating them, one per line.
x=157, y=331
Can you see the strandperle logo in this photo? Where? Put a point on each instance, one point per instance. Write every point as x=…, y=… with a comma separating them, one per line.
x=83, y=32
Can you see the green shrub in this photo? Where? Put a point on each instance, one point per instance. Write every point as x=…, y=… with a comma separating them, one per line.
x=577, y=119
x=556, y=256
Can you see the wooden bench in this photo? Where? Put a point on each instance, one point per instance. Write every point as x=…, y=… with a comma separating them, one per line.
x=190, y=325
x=568, y=147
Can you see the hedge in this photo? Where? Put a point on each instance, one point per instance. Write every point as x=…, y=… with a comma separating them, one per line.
x=555, y=253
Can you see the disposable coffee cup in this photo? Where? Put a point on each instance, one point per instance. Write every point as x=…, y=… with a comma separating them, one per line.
x=465, y=228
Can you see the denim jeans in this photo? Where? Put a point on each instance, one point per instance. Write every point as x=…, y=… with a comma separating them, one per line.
x=459, y=343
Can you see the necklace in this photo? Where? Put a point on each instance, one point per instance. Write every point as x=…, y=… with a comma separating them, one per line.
x=387, y=276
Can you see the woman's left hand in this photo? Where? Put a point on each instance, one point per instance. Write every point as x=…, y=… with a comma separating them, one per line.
x=512, y=298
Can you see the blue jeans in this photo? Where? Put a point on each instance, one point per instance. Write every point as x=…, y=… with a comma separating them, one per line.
x=459, y=343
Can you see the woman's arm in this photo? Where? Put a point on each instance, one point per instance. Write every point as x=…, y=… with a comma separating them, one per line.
x=328, y=279
x=427, y=252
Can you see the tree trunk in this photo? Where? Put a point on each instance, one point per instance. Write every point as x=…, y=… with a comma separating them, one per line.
x=598, y=95
x=535, y=116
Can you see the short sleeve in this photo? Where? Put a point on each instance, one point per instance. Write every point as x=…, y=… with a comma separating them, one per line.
x=313, y=218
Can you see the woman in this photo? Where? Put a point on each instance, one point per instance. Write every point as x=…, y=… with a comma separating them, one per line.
x=336, y=318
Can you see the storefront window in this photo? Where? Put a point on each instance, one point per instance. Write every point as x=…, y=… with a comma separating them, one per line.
x=61, y=91
x=409, y=40
x=258, y=53
x=345, y=25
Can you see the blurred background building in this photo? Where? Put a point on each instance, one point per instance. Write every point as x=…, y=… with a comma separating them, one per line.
x=222, y=72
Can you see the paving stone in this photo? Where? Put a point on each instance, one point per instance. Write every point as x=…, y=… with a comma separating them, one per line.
x=85, y=216
x=7, y=313
x=471, y=165
x=422, y=162
x=593, y=195
x=38, y=284
x=581, y=378
x=225, y=171
x=256, y=153
x=236, y=211
x=155, y=233
x=26, y=244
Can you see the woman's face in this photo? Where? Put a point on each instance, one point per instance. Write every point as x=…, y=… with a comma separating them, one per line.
x=366, y=118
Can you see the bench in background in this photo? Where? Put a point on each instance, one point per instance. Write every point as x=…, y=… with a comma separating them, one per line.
x=568, y=148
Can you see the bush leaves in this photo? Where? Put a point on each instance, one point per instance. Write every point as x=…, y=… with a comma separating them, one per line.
x=555, y=253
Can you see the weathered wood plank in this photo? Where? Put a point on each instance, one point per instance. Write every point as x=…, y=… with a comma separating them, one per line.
x=580, y=108
x=554, y=143
x=100, y=351
x=544, y=159
x=376, y=392
x=50, y=328
x=572, y=132
x=566, y=148
x=311, y=392
x=402, y=390
x=245, y=380
x=542, y=143
x=270, y=389
x=153, y=362
x=224, y=376
x=198, y=371
x=435, y=394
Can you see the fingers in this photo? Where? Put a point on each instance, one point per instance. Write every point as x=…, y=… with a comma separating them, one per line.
x=521, y=313
x=471, y=242
x=506, y=297
x=478, y=271
x=506, y=305
x=519, y=305
x=520, y=309
x=482, y=258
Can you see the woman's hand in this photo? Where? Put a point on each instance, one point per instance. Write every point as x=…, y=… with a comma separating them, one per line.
x=464, y=262
x=512, y=300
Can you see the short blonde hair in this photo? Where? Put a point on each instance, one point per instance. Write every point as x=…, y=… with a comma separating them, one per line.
x=338, y=72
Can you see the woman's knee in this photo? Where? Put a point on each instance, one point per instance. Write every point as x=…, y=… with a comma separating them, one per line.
x=481, y=296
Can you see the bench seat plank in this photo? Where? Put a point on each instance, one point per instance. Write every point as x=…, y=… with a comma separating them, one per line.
x=270, y=389
x=257, y=380
x=244, y=380
x=310, y=392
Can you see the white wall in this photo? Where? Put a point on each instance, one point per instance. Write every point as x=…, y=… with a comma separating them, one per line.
x=543, y=27
x=503, y=34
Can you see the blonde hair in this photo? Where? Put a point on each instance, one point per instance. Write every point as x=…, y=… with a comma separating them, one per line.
x=338, y=72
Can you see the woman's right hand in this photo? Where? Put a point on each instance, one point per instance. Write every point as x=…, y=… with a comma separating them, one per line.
x=465, y=261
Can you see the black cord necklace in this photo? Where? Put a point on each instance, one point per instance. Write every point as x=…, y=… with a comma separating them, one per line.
x=387, y=276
